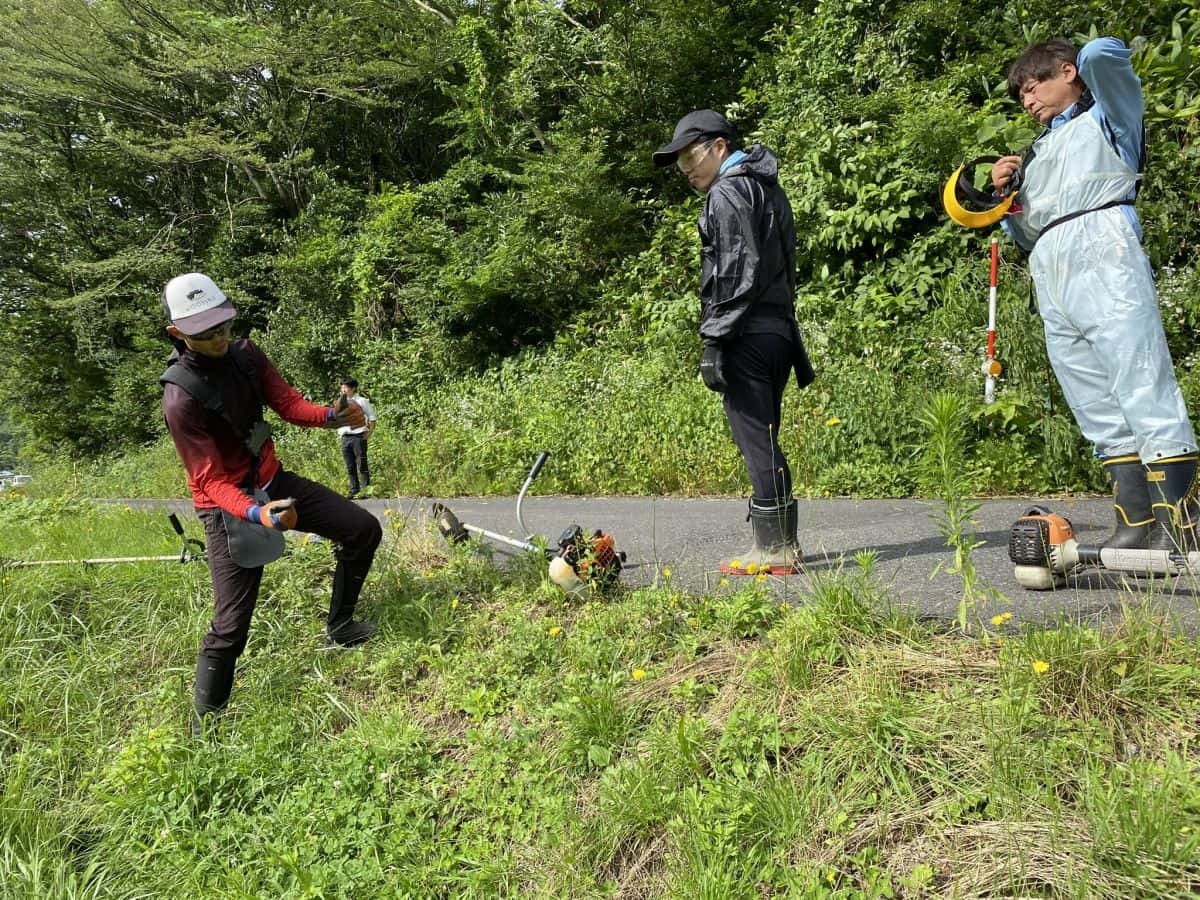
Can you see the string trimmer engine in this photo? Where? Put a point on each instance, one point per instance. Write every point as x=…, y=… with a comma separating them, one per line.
x=582, y=559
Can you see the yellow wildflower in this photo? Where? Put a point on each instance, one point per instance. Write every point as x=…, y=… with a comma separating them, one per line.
x=752, y=568
x=735, y=564
x=554, y=630
x=454, y=603
x=723, y=582
x=666, y=571
x=639, y=674
x=762, y=576
x=1041, y=666
x=831, y=421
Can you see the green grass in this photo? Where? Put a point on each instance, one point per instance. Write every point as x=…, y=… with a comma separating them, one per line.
x=498, y=739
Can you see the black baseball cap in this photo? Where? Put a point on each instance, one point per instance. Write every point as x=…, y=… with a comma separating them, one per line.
x=701, y=123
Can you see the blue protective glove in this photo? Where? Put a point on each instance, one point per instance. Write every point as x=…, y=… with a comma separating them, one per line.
x=278, y=514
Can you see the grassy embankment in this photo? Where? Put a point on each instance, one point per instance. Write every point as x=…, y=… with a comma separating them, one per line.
x=498, y=739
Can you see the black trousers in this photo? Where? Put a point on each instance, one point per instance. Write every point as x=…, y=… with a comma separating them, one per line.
x=757, y=368
x=356, y=534
x=354, y=452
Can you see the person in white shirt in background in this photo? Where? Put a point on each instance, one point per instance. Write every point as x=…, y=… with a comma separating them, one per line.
x=354, y=440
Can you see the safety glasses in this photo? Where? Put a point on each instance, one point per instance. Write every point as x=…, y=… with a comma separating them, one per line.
x=692, y=157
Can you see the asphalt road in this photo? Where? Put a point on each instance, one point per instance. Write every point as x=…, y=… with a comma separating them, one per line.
x=691, y=537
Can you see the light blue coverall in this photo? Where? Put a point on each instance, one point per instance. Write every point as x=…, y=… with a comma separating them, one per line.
x=1095, y=288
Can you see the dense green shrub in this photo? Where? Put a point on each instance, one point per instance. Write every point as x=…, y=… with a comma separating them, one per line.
x=455, y=202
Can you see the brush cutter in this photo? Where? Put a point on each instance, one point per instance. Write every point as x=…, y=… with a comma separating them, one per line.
x=575, y=560
x=186, y=554
x=1044, y=551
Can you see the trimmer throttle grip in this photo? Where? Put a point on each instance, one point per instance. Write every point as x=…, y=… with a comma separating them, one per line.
x=538, y=463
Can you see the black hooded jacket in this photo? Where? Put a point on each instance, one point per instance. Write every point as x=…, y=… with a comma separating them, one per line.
x=748, y=256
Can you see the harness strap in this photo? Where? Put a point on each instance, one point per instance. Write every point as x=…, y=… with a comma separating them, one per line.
x=1075, y=215
x=209, y=396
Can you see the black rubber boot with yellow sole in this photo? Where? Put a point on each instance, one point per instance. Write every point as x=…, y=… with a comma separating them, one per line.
x=1173, y=498
x=1131, y=503
x=775, y=550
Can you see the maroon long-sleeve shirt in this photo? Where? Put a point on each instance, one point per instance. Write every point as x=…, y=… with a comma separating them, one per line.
x=216, y=460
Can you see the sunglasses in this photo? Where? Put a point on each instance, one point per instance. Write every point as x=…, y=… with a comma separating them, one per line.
x=222, y=330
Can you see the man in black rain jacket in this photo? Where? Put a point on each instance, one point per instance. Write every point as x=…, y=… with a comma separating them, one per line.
x=751, y=343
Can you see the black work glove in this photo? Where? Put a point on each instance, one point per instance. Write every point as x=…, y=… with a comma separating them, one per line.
x=712, y=367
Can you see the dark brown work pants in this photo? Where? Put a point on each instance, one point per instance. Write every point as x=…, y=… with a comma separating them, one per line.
x=355, y=532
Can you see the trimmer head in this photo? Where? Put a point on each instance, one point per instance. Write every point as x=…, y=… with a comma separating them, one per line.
x=448, y=524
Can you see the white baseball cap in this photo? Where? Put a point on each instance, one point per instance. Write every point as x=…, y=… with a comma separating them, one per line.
x=194, y=303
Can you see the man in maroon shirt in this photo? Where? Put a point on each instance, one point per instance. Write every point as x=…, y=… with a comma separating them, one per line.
x=214, y=391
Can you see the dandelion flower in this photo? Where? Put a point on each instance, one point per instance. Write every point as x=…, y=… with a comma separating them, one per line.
x=735, y=564
x=639, y=674
x=666, y=572
x=761, y=576
x=454, y=603
x=554, y=630
x=752, y=569
x=831, y=421
x=1041, y=666
x=723, y=582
